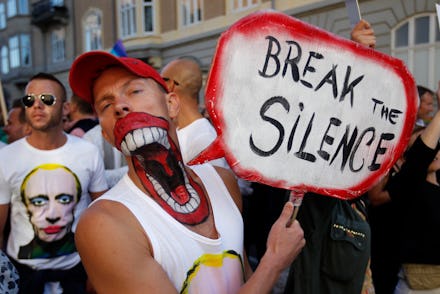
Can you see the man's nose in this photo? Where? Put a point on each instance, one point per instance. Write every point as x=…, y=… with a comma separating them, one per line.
x=122, y=107
x=38, y=103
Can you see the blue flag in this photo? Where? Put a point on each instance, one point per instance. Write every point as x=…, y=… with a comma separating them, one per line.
x=118, y=49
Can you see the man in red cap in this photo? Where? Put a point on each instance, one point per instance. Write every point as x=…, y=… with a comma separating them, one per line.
x=164, y=227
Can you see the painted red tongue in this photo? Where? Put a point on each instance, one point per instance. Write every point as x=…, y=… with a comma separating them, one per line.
x=180, y=194
x=161, y=156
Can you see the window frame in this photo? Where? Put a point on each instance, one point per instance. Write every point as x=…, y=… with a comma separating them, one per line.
x=14, y=51
x=3, y=18
x=151, y=5
x=93, y=34
x=127, y=18
x=17, y=7
x=4, y=57
x=22, y=7
x=57, y=2
x=409, y=51
x=240, y=7
x=58, y=45
x=25, y=50
x=11, y=8
x=195, y=7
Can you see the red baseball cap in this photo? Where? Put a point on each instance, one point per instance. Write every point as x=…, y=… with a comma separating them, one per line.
x=89, y=66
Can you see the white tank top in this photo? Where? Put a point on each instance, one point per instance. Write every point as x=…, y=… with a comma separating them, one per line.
x=194, y=263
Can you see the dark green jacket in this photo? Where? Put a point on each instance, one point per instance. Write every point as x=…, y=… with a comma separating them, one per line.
x=337, y=249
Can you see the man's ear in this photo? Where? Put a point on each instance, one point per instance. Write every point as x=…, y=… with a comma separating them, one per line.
x=173, y=104
x=66, y=108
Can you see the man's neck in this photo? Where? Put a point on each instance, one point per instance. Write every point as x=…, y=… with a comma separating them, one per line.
x=47, y=140
x=187, y=117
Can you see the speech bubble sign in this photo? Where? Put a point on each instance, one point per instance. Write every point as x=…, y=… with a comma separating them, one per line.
x=299, y=108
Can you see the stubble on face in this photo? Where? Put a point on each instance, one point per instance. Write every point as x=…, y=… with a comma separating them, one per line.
x=44, y=118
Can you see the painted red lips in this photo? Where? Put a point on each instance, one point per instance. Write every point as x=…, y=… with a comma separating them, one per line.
x=134, y=121
x=52, y=229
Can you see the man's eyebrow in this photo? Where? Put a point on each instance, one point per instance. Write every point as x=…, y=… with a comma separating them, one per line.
x=125, y=85
x=105, y=97
x=39, y=196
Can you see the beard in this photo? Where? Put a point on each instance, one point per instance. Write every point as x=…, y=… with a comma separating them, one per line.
x=54, y=121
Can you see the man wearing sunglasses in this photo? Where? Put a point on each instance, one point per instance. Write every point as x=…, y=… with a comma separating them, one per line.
x=50, y=266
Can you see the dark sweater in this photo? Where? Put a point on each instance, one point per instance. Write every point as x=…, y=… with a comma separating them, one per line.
x=418, y=206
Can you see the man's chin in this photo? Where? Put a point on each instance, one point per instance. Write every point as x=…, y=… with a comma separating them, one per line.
x=48, y=238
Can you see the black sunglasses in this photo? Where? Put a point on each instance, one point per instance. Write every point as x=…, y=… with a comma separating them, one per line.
x=47, y=99
x=176, y=83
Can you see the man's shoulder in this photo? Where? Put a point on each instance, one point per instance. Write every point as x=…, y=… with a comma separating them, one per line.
x=94, y=132
x=201, y=124
x=12, y=148
x=111, y=215
x=78, y=142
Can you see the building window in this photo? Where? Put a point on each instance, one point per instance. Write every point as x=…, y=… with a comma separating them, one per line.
x=58, y=40
x=148, y=16
x=2, y=16
x=25, y=50
x=243, y=4
x=23, y=7
x=14, y=52
x=57, y=2
x=5, y=59
x=17, y=7
x=191, y=12
x=12, y=8
x=19, y=51
x=417, y=43
x=93, y=31
x=127, y=12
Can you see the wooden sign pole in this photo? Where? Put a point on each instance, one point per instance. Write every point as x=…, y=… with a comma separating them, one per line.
x=3, y=105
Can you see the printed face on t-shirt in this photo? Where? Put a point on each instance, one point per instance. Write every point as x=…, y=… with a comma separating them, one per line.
x=50, y=195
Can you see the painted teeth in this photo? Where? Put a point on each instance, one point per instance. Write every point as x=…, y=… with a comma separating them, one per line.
x=130, y=142
x=141, y=137
x=138, y=138
x=124, y=148
x=188, y=207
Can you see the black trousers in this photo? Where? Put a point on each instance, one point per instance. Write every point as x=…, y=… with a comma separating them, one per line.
x=73, y=281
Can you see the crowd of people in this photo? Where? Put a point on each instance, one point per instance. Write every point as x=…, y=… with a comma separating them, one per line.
x=96, y=197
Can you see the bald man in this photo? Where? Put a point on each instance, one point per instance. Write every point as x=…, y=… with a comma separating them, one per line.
x=183, y=76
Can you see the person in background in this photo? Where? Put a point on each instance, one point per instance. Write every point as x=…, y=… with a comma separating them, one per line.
x=3, y=135
x=81, y=117
x=334, y=261
x=17, y=127
x=183, y=76
x=414, y=192
x=426, y=106
x=174, y=227
x=43, y=212
x=385, y=222
x=114, y=161
x=384, y=215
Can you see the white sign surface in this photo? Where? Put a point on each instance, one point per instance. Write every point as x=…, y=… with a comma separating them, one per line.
x=298, y=108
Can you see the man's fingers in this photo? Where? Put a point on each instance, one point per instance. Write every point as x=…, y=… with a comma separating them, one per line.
x=286, y=213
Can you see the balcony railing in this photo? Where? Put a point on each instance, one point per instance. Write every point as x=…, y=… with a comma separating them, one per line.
x=46, y=13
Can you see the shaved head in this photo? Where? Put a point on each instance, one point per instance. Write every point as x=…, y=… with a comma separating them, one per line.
x=186, y=74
